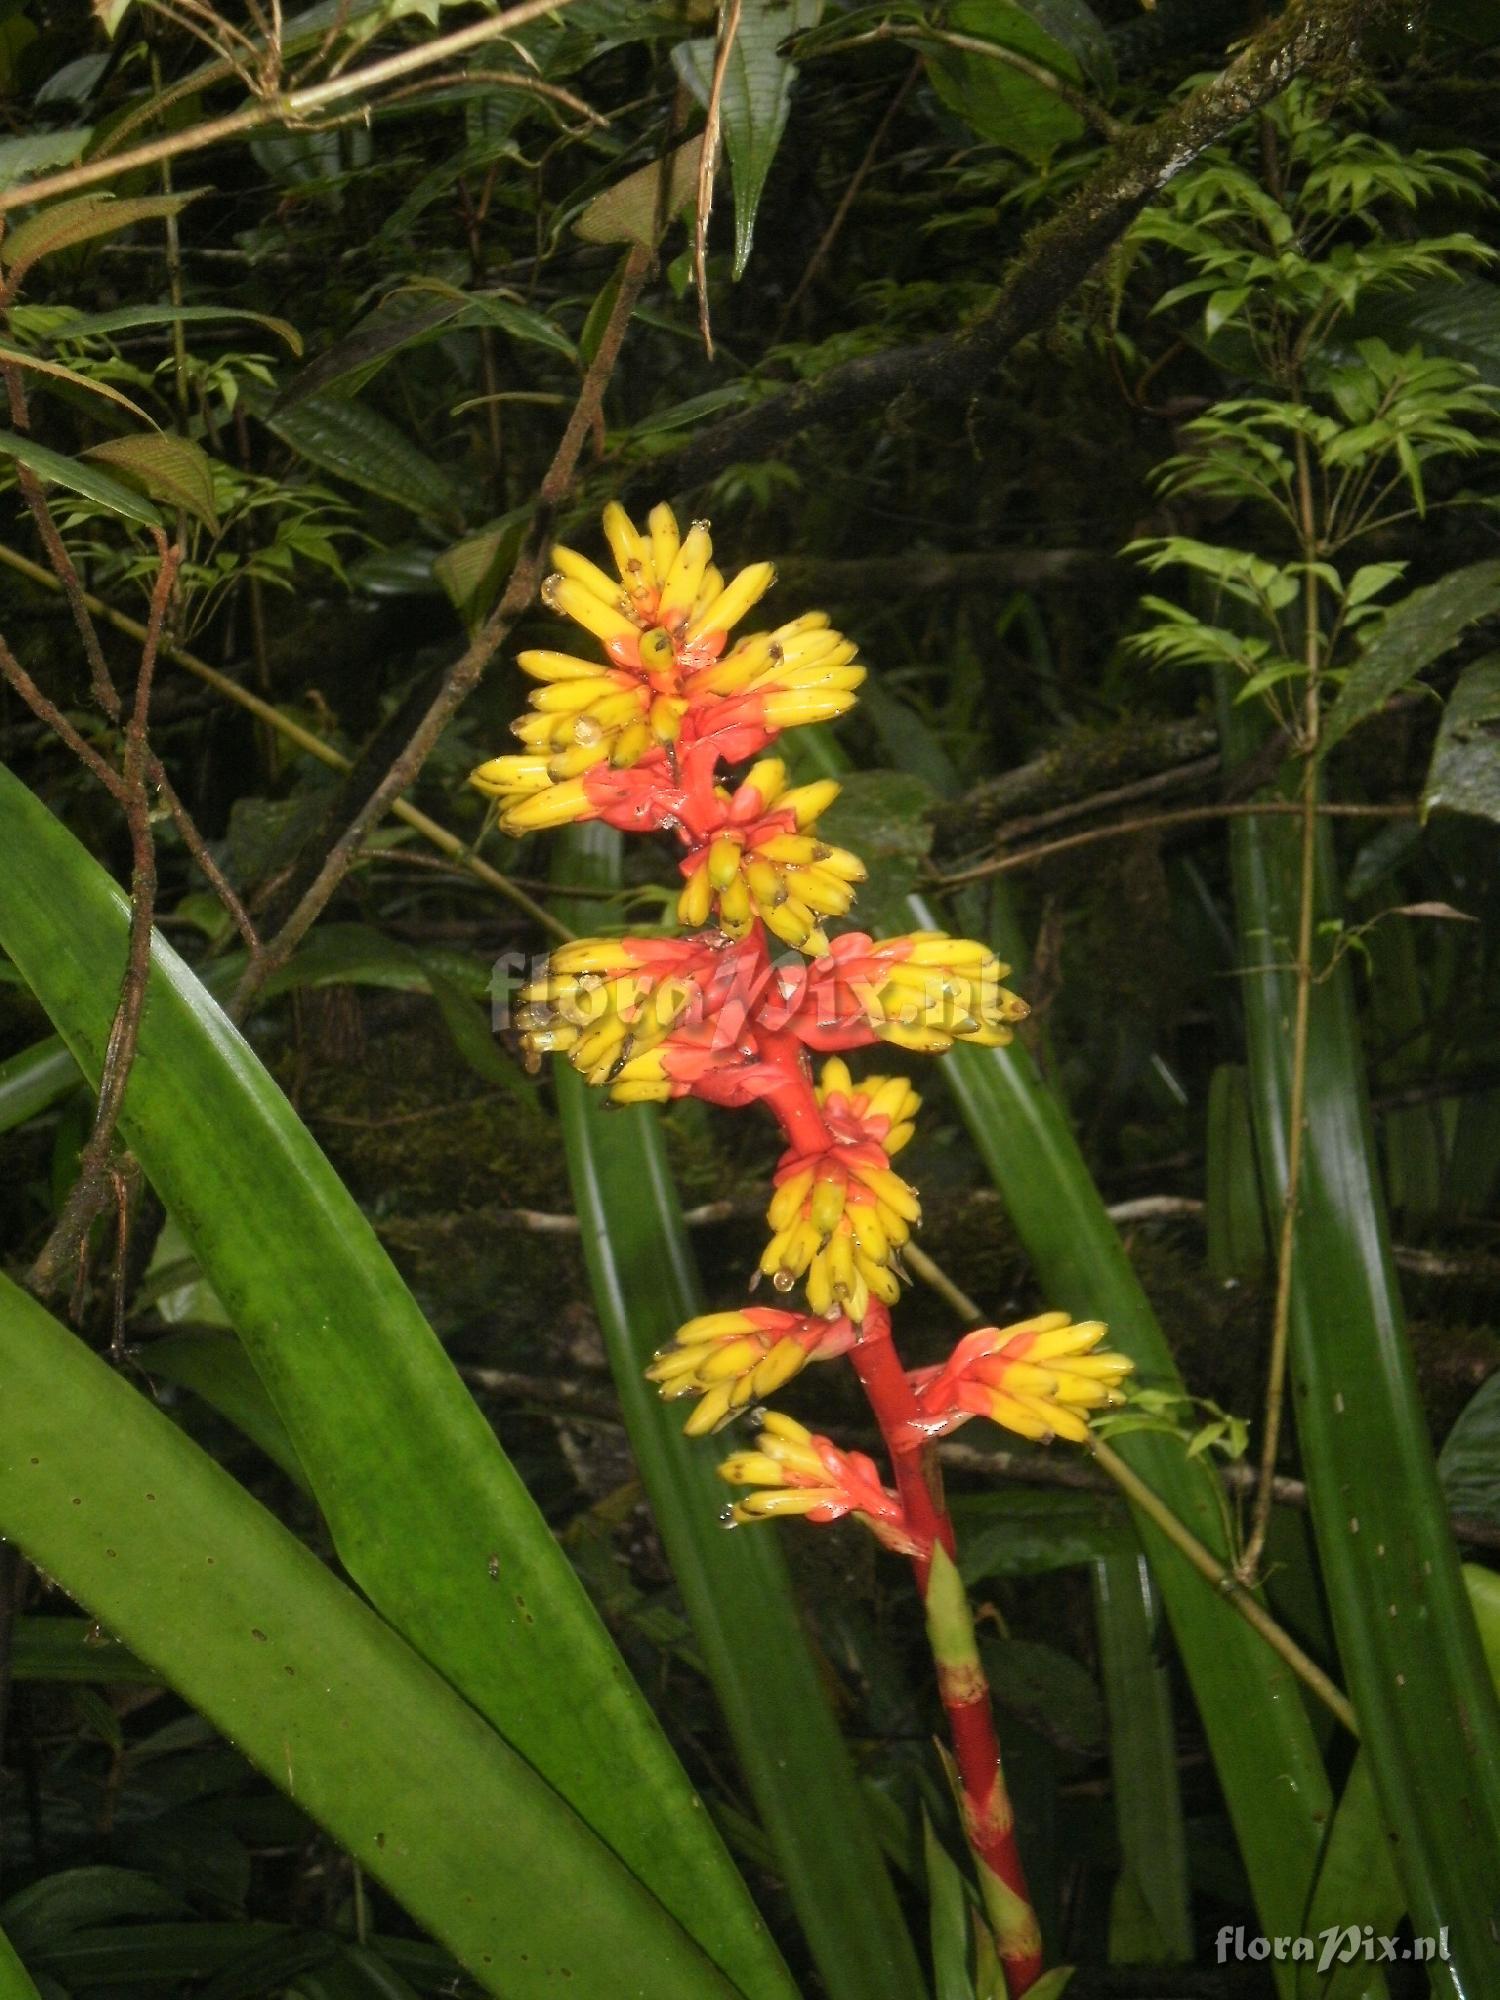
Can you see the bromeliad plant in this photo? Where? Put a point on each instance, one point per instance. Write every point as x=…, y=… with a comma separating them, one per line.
x=640, y=743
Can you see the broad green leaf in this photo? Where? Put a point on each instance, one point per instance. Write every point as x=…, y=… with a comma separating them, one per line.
x=124, y=319
x=112, y=1500
x=425, y=1511
x=999, y=102
x=33, y=1079
x=1358, y=1865
x=471, y=571
x=1151, y=1920
x=636, y=209
x=67, y=223
x=1052, y=1693
x=1408, y=1652
x=1469, y=1462
x=215, y=1367
x=354, y=443
x=79, y=478
x=168, y=468
x=1464, y=775
x=756, y=100
x=789, y=1748
x=15, y=1981
x=1415, y=633
x=29, y=152
x=1233, y=1218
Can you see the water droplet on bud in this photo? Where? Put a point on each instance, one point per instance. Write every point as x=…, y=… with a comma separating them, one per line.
x=783, y=1281
x=587, y=731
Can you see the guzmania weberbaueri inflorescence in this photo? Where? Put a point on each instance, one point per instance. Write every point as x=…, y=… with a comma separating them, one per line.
x=734, y=1011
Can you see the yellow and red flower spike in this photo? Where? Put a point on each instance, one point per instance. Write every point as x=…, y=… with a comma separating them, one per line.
x=1040, y=1378
x=923, y=991
x=730, y=1359
x=839, y=1214
x=755, y=857
x=643, y=799
x=792, y=1470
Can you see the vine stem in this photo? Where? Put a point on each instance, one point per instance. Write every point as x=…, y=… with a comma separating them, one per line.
x=989, y=1821
x=1281, y=1319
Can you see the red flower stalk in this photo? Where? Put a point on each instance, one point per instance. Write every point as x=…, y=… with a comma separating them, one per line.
x=728, y=1013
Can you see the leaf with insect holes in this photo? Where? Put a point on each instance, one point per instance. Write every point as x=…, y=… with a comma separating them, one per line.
x=635, y=209
x=171, y=469
x=757, y=98
x=68, y=223
x=76, y=478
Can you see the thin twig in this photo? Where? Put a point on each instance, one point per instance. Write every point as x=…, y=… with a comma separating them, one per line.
x=1307, y=810
x=1234, y=1592
x=1230, y=1587
x=708, y=159
x=289, y=109
x=89, y=1190
x=464, y=676
x=293, y=732
x=1028, y=857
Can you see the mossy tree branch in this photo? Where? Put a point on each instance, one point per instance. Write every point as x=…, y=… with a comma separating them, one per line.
x=1324, y=37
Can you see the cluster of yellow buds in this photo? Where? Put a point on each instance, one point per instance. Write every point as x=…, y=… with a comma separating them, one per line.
x=1039, y=1377
x=792, y=1470
x=665, y=683
x=841, y=1215
x=730, y=1359
x=761, y=859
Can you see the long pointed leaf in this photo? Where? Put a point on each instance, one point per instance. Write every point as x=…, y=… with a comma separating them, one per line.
x=1251, y=1708
x=1406, y=1637
x=426, y=1512
x=108, y=1496
x=15, y=1980
x=1143, y=1762
x=736, y=1588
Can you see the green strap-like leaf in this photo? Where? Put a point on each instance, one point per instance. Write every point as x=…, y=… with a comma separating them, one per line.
x=77, y=478
x=15, y=1981
x=736, y=1588
x=199, y=1579
x=1250, y=1704
x=1152, y=1919
x=425, y=1510
x=1407, y=1644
